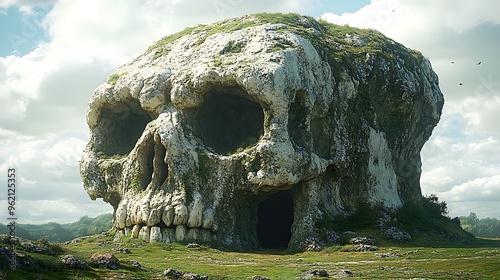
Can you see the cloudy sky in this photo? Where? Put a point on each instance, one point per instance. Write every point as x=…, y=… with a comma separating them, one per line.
x=53, y=53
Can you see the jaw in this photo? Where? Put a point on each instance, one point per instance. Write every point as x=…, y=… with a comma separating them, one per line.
x=269, y=220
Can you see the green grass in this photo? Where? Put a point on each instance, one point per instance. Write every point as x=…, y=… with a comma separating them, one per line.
x=478, y=259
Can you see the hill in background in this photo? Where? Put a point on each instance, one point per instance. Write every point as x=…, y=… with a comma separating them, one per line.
x=55, y=232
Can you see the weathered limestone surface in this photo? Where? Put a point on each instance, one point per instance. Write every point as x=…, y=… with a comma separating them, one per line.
x=189, y=138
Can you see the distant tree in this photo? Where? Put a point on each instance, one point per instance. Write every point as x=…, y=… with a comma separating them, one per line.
x=488, y=227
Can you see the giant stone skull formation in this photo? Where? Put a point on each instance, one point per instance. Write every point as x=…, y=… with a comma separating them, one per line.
x=246, y=132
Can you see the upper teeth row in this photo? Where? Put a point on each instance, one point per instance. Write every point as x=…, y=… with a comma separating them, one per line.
x=170, y=209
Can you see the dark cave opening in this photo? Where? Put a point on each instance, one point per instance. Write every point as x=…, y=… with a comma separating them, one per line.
x=275, y=218
x=228, y=121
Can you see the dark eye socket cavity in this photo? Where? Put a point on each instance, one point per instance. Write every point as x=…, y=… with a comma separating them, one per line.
x=120, y=127
x=228, y=120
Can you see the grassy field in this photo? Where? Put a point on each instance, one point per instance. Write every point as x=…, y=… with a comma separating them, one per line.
x=476, y=259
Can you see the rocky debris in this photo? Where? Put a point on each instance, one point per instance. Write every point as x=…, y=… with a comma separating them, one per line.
x=397, y=234
x=259, y=277
x=362, y=240
x=209, y=124
x=122, y=250
x=389, y=254
x=77, y=240
x=71, y=262
x=311, y=243
x=134, y=263
x=349, y=232
x=22, y=260
x=363, y=248
x=193, y=245
x=314, y=273
x=343, y=273
x=176, y=274
x=34, y=248
x=383, y=220
x=106, y=260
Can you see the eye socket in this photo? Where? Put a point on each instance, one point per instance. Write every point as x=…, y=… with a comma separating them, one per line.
x=119, y=128
x=227, y=121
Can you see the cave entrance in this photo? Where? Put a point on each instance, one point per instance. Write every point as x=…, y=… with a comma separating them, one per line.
x=275, y=218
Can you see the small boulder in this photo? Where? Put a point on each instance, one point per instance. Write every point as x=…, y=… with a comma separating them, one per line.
x=106, y=260
x=71, y=262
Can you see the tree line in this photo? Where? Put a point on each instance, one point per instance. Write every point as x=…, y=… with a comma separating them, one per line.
x=55, y=232
x=487, y=227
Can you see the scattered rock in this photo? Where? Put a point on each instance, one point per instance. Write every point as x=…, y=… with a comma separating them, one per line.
x=134, y=263
x=193, y=245
x=123, y=250
x=258, y=277
x=397, y=234
x=106, y=260
x=176, y=274
x=22, y=260
x=389, y=254
x=362, y=240
x=344, y=273
x=363, y=248
x=314, y=273
x=312, y=244
x=71, y=262
x=349, y=232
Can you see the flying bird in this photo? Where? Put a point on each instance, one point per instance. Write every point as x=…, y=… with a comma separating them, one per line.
x=460, y=84
x=453, y=62
x=478, y=63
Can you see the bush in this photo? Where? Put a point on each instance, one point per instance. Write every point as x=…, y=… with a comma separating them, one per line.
x=433, y=207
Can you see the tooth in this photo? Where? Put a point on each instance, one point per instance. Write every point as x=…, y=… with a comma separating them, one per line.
x=155, y=235
x=168, y=215
x=144, y=213
x=195, y=213
x=134, y=212
x=168, y=235
x=180, y=233
x=208, y=218
x=128, y=221
x=193, y=234
x=154, y=217
x=181, y=215
x=135, y=231
x=121, y=214
x=144, y=233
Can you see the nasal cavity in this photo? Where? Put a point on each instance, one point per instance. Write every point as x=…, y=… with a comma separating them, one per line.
x=275, y=218
x=228, y=121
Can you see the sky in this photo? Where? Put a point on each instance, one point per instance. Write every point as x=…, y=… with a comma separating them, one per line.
x=54, y=53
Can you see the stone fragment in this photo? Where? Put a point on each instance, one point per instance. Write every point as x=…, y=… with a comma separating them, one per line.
x=144, y=233
x=180, y=215
x=106, y=260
